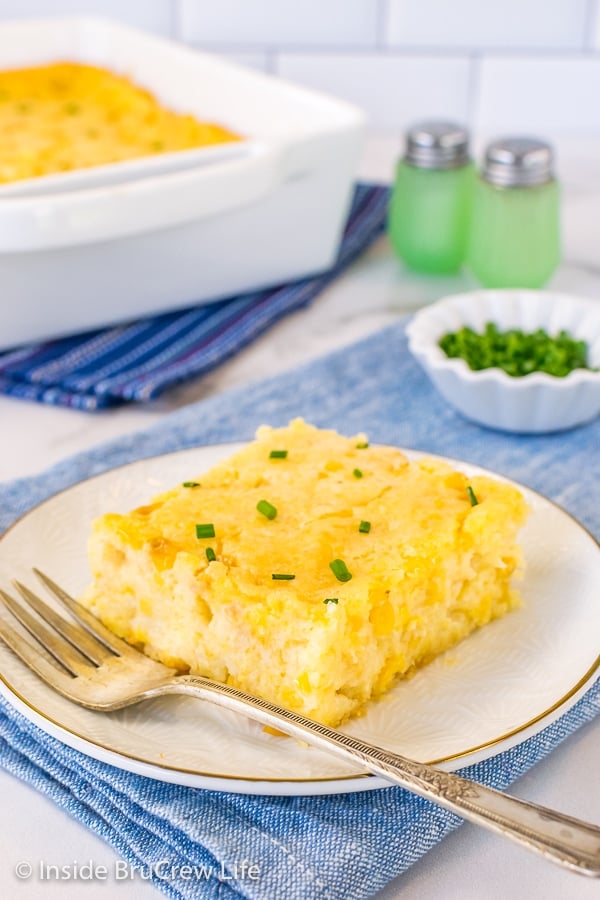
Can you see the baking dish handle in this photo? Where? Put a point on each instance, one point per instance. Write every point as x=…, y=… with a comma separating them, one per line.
x=133, y=207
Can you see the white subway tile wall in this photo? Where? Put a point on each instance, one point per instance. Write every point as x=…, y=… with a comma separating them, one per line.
x=593, y=36
x=280, y=23
x=394, y=90
x=152, y=15
x=483, y=25
x=554, y=95
x=508, y=66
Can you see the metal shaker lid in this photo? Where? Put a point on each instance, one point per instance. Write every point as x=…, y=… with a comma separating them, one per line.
x=518, y=162
x=437, y=145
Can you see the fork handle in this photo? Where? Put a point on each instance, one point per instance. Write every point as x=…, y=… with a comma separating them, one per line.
x=570, y=842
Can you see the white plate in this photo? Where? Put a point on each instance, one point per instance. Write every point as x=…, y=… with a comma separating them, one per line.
x=498, y=687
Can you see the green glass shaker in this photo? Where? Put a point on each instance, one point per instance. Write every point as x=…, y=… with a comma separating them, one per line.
x=429, y=207
x=515, y=224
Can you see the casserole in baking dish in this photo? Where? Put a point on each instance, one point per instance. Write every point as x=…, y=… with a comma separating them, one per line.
x=64, y=116
x=90, y=247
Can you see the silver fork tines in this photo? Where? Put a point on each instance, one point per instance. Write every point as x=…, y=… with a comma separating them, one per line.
x=89, y=646
x=92, y=667
x=89, y=622
x=64, y=652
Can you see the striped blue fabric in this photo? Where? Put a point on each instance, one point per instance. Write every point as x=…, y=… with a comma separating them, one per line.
x=138, y=361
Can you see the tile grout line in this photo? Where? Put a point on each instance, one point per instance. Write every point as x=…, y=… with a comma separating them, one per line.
x=271, y=57
x=382, y=20
x=397, y=52
x=589, y=19
x=473, y=90
x=176, y=21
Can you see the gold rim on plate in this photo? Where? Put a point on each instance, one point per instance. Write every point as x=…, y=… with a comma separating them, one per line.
x=211, y=776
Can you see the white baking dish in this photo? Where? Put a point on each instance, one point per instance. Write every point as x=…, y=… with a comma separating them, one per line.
x=98, y=246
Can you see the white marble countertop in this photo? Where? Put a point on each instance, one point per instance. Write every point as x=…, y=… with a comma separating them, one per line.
x=373, y=293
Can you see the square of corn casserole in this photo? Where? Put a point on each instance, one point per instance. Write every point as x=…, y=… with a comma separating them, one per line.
x=310, y=569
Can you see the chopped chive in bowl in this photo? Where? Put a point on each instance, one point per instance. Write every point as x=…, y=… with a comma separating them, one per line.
x=515, y=351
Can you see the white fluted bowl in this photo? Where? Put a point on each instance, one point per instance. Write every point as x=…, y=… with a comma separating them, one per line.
x=531, y=404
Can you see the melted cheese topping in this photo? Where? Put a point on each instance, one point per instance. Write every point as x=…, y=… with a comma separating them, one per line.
x=431, y=568
x=67, y=116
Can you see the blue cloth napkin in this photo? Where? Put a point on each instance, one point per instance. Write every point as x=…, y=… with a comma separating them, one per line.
x=334, y=847
x=138, y=361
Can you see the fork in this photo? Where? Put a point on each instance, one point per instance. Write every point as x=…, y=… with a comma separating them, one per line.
x=80, y=658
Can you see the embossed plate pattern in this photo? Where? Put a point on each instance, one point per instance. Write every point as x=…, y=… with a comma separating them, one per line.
x=499, y=686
